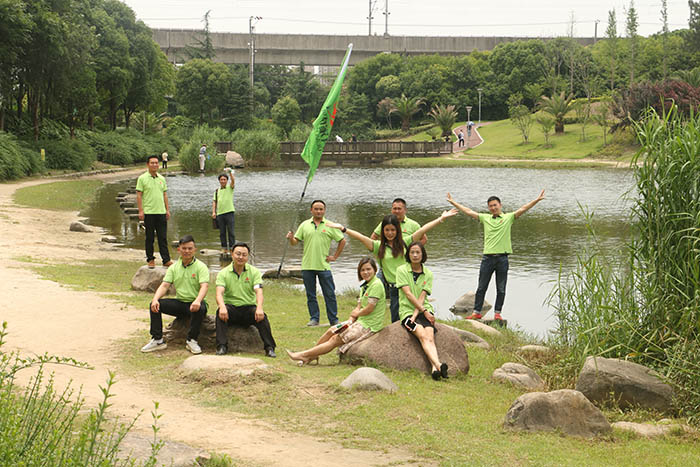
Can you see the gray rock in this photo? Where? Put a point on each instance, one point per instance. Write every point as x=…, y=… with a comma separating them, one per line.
x=370, y=379
x=78, y=226
x=648, y=430
x=240, y=338
x=629, y=384
x=110, y=239
x=566, y=410
x=148, y=280
x=485, y=328
x=209, y=252
x=519, y=375
x=394, y=347
x=131, y=191
x=291, y=271
x=539, y=350
x=138, y=448
x=127, y=204
x=122, y=194
x=131, y=210
x=465, y=304
x=233, y=159
x=215, y=363
x=470, y=338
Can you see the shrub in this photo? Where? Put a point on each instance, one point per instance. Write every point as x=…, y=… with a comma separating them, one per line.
x=258, y=147
x=12, y=161
x=111, y=147
x=189, y=152
x=67, y=154
x=300, y=132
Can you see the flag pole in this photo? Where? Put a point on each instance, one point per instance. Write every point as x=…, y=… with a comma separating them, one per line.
x=313, y=149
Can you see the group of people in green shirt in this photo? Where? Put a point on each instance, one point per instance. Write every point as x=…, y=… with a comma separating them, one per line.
x=398, y=247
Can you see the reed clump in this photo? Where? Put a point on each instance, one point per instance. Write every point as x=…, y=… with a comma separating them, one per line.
x=646, y=306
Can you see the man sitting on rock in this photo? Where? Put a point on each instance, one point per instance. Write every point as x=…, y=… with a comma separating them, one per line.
x=239, y=295
x=191, y=280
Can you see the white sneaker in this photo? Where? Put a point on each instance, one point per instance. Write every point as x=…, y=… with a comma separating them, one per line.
x=193, y=347
x=154, y=345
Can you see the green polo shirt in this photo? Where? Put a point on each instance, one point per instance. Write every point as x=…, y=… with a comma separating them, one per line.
x=239, y=289
x=224, y=200
x=317, y=244
x=404, y=276
x=187, y=279
x=373, y=289
x=389, y=263
x=408, y=227
x=152, y=189
x=497, y=233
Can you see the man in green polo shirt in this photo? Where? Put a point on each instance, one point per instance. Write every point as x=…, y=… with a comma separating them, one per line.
x=497, y=247
x=239, y=295
x=408, y=226
x=154, y=211
x=191, y=280
x=315, y=261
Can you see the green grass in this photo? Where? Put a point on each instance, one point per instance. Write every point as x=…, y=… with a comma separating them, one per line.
x=453, y=422
x=58, y=196
x=424, y=136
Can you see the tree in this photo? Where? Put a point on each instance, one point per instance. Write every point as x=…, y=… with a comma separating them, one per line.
x=406, y=108
x=200, y=86
x=583, y=116
x=664, y=34
x=307, y=90
x=601, y=116
x=384, y=107
x=203, y=48
x=693, y=36
x=286, y=113
x=631, y=26
x=520, y=116
x=14, y=36
x=557, y=106
x=612, y=45
x=547, y=125
x=444, y=117
x=388, y=86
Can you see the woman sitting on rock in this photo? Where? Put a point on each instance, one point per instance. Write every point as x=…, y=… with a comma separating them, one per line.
x=415, y=283
x=390, y=250
x=365, y=319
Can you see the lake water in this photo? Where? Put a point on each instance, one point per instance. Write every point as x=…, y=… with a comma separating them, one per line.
x=545, y=239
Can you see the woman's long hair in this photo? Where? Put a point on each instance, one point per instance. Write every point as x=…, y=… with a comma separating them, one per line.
x=397, y=245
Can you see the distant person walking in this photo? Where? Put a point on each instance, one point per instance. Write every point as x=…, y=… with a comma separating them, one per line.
x=460, y=137
x=202, y=157
x=338, y=139
x=223, y=211
x=315, y=261
x=497, y=247
x=164, y=159
x=154, y=211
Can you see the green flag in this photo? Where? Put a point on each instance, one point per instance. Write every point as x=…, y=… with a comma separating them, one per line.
x=313, y=149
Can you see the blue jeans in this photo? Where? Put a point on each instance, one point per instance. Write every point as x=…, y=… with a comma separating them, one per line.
x=325, y=279
x=225, y=222
x=393, y=294
x=489, y=265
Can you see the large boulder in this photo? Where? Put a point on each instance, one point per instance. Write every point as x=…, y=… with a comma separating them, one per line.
x=148, y=279
x=78, y=226
x=518, y=375
x=138, y=448
x=370, y=379
x=465, y=305
x=394, y=347
x=233, y=159
x=290, y=271
x=565, y=410
x=629, y=384
x=240, y=366
x=240, y=338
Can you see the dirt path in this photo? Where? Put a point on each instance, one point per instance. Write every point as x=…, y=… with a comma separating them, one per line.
x=46, y=317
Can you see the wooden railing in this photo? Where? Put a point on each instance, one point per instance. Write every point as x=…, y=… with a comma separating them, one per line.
x=366, y=152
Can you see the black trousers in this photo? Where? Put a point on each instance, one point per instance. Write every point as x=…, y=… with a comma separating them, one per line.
x=174, y=307
x=156, y=224
x=244, y=316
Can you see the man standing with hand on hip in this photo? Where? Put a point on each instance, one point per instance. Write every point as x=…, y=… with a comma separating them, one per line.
x=497, y=247
x=315, y=262
x=154, y=211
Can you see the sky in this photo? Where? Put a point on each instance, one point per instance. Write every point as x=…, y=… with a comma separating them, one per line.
x=527, y=18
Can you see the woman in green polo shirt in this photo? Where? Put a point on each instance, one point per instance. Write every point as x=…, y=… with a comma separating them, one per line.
x=365, y=319
x=415, y=282
x=390, y=250
x=223, y=211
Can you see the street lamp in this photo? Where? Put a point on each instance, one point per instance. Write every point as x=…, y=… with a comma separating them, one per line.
x=479, y=89
x=251, y=29
x=469, y=112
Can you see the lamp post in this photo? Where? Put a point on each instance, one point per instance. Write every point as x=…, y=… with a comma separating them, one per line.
x=480, y=90
x=251, y=30
x=469, y=113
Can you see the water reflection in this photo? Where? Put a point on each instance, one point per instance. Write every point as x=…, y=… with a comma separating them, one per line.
x=548, y=236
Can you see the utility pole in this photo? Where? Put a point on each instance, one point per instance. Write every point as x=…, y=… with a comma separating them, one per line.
x=480, y=91
x=595, y=33
x=370, y=17
x=386, y=18
x=251, y=44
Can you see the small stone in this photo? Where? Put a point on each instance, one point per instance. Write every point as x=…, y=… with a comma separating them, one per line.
x=292, y=271
x=519, y=375
x=469, y=337
x=131, y=210
x=110, y=239
x=647, y=430
x=465, y=304
x=485, y=328
x=538, y=350
x=77, y=226
x=369, y=379
x=138, y=448
x=243, y=366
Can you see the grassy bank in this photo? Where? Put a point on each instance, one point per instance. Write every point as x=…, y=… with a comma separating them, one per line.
x=63, y=196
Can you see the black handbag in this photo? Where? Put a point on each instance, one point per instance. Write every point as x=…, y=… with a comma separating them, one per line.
x=214, y=223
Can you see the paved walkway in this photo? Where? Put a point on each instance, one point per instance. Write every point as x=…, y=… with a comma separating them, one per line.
x=473, y=141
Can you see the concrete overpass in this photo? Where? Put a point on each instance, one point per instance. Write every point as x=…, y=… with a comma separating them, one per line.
x=323, y=50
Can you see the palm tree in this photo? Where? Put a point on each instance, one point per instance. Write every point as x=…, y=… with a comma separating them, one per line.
x=691, y=77
x=557, y=106
x=444, y=117
x=406, y=107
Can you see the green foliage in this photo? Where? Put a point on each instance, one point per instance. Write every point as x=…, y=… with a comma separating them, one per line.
x=17, y=160
x=286, y=113
x=204, y=134
x=406, y=108
x=557, y=106
x=258, y=147
x=67, y=154
x=520, y=116
x=300, y=132
x=388, y=86
x=444, y=117
x=547, y=125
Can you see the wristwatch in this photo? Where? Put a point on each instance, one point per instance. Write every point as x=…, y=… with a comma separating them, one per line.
x=344, y=229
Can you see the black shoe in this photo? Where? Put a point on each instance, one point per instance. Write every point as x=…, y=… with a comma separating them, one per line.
x=436, y=375
x=270, y=353
x=334, y=323
x=443, y=370
x=221, y=350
